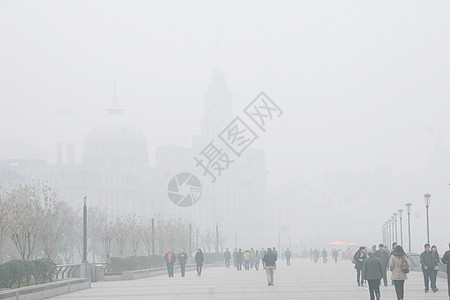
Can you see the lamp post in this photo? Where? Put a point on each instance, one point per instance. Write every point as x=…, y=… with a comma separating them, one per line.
x=400, y=215
x=427, y=205
x=393, y=230
x=153, y=236
x=396, y=232
x=84, y=230
x=408, y=211
x=385, y=233
x=217, y=237
x=389, y=233
x=190, y=241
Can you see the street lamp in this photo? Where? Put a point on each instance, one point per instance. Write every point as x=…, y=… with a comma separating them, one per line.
x=395, y=222
x=394, y=239
x=217, y=237
x=427, y=205
x=389, y=221
x=400, y=215
x=84, y=230
x=408, y=211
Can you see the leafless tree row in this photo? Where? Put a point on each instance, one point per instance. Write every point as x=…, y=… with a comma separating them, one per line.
x=34, y=223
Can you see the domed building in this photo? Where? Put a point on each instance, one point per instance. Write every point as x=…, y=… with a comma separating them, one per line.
x=114, y=171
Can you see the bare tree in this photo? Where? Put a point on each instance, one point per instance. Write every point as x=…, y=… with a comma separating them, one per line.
x=171, y=233
x=222, y=242
x=23, y=225
x=103, y=232
x=57, y=220
x=147, y=238
x=121, y=232
x=207, y=239
x=136, y=227
x=5, y=211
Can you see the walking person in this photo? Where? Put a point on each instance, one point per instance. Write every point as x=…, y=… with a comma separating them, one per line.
x=182, y=257
x=399, y=265
x=446, y=261
x=262, y=253
x=383, y=255
x=256, y=260
x=247, y=256
x=199, y=259
x=324, y=256
x=311, y=254
x=373, y=272
x=235, y=257
x=270, y=259
x=316, y=255
x=435, y=271
x=394, y=244
x=239, y=257
x=276, y=254
x=359, y=258
x=170, y=259
x=227, y=256
x=288, y=255
x=428, y=263
x=334, y=255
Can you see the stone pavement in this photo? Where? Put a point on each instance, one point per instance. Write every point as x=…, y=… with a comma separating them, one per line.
x=303, y=280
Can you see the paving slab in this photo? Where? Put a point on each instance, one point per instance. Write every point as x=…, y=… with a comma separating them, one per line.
x=302, y=280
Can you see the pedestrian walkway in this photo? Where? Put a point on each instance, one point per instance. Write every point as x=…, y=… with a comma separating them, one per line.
x=302, y=280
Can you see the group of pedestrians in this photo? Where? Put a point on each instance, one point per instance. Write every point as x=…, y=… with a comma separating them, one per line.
x=316, y=254
x=170, y=258
x=249, y=259
x=371, y=266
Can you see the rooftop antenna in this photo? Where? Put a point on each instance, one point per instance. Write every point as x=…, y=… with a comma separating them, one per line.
x=115, y=100
x=115, y=108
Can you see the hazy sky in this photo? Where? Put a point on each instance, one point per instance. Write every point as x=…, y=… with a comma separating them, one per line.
x=361, y=82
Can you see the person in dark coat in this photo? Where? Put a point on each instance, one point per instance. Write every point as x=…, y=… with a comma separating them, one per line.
x=276, y=254
x=239, y=259
x=316, y=255
x=170, y=259
x=227, y=257
x=428, y=263
x=288, y=255
x=324, y=255
x=383, y=255
x=270, y=259
x=262, y=253
x=436, y=259
x=334, y=254
x=199, y=259
x=373, y=272
x=359, y=258
x=182, y=258
x=446, y=261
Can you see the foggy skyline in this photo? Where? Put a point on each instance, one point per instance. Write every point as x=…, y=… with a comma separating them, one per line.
x=373, y=91
x=362, y=84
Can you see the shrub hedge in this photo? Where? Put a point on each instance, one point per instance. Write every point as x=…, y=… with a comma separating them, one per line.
x=15, y=273
x=118, y=264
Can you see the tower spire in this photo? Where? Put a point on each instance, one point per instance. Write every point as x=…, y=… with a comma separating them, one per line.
x=115, y=108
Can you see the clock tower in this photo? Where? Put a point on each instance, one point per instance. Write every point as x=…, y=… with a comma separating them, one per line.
x=217, y=106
